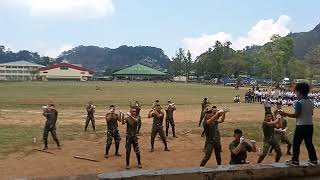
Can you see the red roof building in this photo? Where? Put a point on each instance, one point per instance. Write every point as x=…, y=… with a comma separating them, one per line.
x=65, y=71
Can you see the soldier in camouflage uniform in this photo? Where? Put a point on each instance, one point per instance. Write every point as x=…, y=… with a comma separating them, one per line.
x=50, y=125
x=211, y=141
x=239, y=148
x=269, y=140
x=205, y=103
x=90, y=116
x=281, y=133
x=216, y=131
x=157, y=126
x=112, y=119
x=138, y=109
x=169, y=118
x=131, y=136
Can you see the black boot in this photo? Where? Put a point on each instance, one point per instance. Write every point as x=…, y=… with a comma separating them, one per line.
x=106, y=155
x=174, y=132
x=57, y=142
x=117, y=144
x=139, y=160
x=127, y=159
x=45, y=144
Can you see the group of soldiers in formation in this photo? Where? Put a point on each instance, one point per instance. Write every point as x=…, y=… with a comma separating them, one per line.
x=274, y=130
x=132, y=119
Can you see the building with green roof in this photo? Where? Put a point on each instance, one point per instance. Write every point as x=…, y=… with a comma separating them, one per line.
x=140, y=72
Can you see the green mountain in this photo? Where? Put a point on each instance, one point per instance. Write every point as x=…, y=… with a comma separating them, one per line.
x=105, y=58
x=305, y=41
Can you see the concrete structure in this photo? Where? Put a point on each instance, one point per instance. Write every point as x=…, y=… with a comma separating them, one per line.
x=19, y=71
x=180, y=78
x=228, y=172
x=65, y=71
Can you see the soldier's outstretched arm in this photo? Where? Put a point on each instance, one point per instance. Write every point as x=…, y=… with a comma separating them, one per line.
x=214, y=118
x=236, y=150
x=150, y=113
x=222, y=118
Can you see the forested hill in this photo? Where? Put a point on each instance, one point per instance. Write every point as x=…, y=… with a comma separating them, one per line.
x=105, y=58
x=304, y=42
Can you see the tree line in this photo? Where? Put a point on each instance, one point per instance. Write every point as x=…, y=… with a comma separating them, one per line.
x=274, y=60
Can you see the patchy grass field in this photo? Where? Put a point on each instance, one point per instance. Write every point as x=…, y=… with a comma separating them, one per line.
x=76, y=94
x=21, y=121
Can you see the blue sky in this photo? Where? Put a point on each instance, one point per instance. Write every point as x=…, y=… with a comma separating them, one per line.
x=51, y=26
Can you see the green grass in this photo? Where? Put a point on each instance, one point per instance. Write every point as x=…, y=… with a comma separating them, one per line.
x=17, y=138
x=75, y=94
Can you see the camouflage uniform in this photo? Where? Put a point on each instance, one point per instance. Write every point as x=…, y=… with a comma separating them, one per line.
x=242, y=156
x=157, y=127
x=268, y=141
x=112, y=132
x=90, y=117
x=203, y=107
x=138, y=109
x=50, y=126
x=212, y=143
x=170, y=120
x=132, y=139
x=282, y=137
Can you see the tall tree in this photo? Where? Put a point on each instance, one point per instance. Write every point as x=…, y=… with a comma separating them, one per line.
x=187, y=64
x=176, y=65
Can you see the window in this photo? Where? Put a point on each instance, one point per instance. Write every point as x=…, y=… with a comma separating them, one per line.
x=14, y=67
x=2, y=71
x=83, y=72
x=8, y=71
x=8, y=67
x=20, y=67
x=45, y=72
x=64, y=68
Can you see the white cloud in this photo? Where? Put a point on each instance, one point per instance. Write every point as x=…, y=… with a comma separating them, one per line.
x=55, y=52
x=65, y=8
x=259, y=34
x=201, y=44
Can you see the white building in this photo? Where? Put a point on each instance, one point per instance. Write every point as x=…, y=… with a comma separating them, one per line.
x=19, y=71
x=65, y=71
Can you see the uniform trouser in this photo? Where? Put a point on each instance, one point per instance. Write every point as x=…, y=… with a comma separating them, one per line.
x=139, y=124
x=201, y=116
x=154, y=132
x=267, y=110
x=170, y=122
x=53, y=133
x=132, y=141
x=266, y=146
x=210, y=146
x=217, y=139
x=303, y=132
x=113, y=134
x=283, y=138
x=90, y=118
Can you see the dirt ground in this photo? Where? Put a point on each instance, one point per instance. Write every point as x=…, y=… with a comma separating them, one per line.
x=185, y=151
